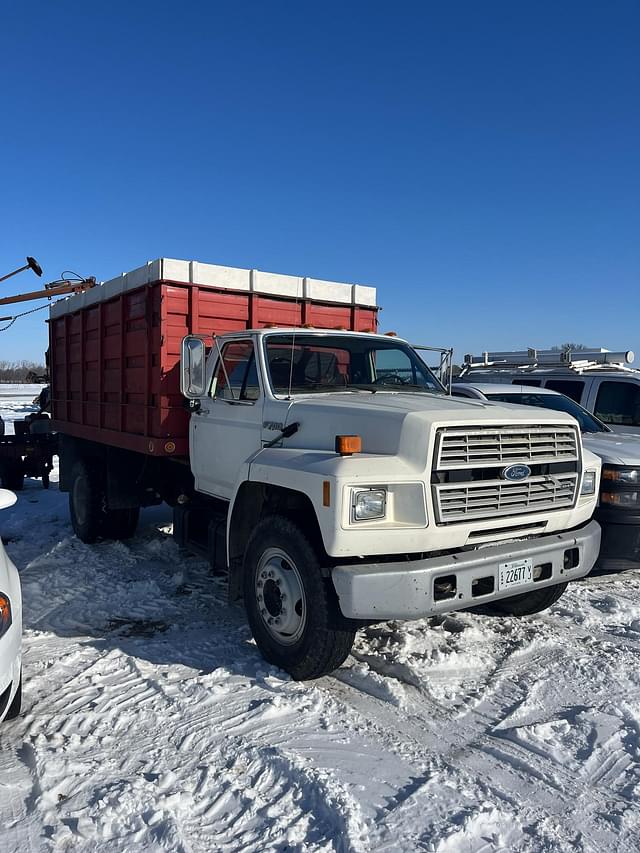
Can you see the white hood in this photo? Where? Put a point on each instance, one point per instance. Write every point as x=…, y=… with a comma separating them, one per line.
x=613, y=448
x=398, y=423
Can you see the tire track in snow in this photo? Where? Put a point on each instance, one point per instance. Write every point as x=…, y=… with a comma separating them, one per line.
x=448, y=727
x=501, y=765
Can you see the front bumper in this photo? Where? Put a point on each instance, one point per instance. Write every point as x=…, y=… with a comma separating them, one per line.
x=620, y=535
x=407, y=590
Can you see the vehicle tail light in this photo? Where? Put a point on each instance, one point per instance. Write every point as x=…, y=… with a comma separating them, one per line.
x=5, y=613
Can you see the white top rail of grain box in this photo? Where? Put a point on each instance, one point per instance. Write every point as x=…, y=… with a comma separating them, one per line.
x=222, y=278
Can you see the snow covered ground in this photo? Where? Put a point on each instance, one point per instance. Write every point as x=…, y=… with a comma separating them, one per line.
x=151, y=723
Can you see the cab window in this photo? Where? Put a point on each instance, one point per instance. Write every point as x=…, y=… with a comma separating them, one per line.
x=393, y=365
x=619, y=403
x=571, y=388
x=236, y=376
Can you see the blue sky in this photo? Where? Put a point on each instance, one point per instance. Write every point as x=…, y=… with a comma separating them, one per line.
x=478, y=162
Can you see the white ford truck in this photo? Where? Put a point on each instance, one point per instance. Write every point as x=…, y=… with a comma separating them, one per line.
x=358, y=491
x=327, y=472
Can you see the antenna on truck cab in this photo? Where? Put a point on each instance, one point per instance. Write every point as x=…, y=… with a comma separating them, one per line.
x=293, y=345
x=224, y=367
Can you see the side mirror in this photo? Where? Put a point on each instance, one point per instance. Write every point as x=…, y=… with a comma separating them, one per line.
x=192, y=367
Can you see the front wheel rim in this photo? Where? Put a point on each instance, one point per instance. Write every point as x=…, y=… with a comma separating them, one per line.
x=280, y=596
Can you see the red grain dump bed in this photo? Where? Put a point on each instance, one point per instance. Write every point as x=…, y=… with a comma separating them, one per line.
x=115, y=349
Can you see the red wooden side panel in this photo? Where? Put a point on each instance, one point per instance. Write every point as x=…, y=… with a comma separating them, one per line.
x=115, y=364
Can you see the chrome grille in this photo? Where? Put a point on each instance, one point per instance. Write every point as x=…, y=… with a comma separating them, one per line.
x=492, y=498
x=493, y=446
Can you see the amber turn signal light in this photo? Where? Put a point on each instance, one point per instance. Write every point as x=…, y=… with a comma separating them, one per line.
x=5, y=613
x=346, y=445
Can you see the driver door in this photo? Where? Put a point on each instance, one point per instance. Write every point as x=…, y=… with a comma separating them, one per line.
x=226, y=431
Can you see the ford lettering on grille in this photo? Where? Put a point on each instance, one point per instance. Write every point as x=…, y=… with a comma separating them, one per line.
x=514, y=473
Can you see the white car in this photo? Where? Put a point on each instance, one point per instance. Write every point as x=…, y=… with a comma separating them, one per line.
x=10, y=629
x=619, y=509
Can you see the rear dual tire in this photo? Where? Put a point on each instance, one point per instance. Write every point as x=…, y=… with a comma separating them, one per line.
x=90, y=517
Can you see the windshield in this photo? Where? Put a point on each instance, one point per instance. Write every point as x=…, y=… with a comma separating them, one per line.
x=306, y=364
x=556, y=402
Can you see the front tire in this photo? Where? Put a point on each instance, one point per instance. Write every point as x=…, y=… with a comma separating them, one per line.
x=529, y=602
x=292, y=610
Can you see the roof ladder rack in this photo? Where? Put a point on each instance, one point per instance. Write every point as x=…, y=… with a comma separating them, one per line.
x=532, y=358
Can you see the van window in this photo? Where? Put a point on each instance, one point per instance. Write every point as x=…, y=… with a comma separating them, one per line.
x=571, y=388
x=619, y=403
x=534, y=383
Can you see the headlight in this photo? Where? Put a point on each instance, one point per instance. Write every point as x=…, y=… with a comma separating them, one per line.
x=624, y=476
x=624, y=499
x=588, y=483
x=5, y=614
x=368, y=503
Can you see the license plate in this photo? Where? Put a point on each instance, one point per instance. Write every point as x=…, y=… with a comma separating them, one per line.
x=515, y=573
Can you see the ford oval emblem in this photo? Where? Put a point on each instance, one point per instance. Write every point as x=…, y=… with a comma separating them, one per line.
x=515, y=472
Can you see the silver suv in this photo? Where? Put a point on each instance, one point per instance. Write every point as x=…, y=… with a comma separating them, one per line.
x=619, y=508
x=601, y=381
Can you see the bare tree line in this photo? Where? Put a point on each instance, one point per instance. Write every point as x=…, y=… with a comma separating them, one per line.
x=20, y=371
